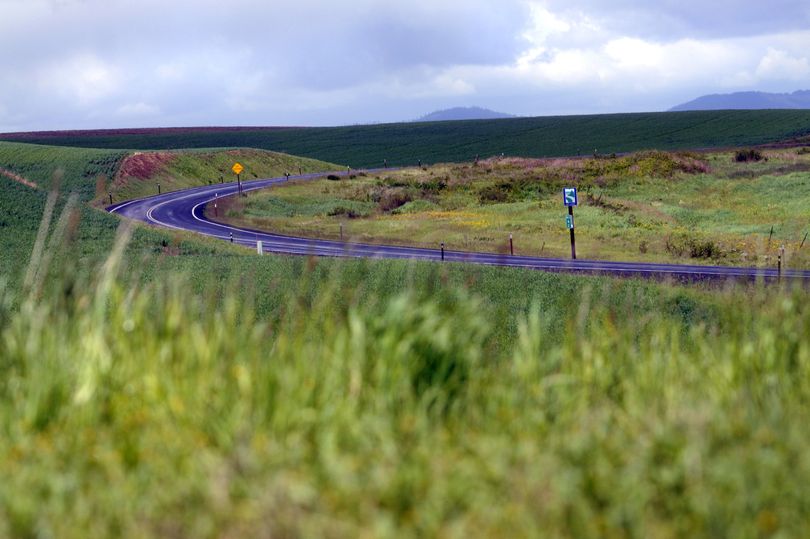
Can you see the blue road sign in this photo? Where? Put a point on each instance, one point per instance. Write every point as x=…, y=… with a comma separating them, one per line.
x=569, y=221
x=570, y=196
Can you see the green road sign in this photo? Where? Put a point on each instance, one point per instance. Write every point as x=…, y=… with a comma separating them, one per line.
x=569, y=221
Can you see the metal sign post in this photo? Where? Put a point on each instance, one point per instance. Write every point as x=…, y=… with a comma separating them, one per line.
x=570, y=200
x=237, y=169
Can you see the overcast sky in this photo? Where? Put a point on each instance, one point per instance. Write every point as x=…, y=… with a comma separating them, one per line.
x=130, y=63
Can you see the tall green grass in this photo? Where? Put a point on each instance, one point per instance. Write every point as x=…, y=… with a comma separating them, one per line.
x=149, y=407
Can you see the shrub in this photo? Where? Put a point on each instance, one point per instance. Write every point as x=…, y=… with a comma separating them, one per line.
x=433, y=185
x=601, y=202
x=391, y=200
x=803, y=151
x=416, y=206
x=704, y=249
x=744, y=156
x=685, y=245
x=495, y=193
x=333, y=177
x=351, y=213
x=389, y=181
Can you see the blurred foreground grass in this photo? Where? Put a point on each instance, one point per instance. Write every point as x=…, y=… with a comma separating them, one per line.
x=135, y=406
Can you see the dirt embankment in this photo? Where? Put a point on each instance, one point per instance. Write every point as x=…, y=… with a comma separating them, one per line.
x=17, y=178
x=143, y=166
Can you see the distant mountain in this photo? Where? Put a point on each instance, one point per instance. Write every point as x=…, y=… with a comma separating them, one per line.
x=463, y=113
x=748, y=101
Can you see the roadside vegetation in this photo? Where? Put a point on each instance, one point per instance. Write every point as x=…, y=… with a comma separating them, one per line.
x=445, y=142
x=715, y=208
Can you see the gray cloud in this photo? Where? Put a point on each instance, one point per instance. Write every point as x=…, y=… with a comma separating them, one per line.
x=106, y=63
x=697, y=19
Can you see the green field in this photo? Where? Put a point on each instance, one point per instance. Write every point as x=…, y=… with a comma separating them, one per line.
x=440, y=142
x=185, y=387
x=650, y=206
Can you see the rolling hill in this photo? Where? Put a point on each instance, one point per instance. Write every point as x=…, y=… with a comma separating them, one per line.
x=463, y=113
x=409, y=143
x=748, y=101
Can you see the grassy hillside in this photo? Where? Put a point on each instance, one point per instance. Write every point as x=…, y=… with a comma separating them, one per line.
x=406, y=143
x=79, y=167
x=649, y=206
x=95, y=174
x=155, y=410
x=141, y=172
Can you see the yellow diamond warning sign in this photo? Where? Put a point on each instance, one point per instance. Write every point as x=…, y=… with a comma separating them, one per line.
x=237, y=168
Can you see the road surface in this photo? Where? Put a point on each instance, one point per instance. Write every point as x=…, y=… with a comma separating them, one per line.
x=184, y=210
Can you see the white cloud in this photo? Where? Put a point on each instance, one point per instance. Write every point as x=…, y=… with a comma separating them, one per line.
x=633, y=53
x=137, y=110
x=645, y=63
x=544, y=24
x=445, y=85
x=778, y=64
x=83, y=77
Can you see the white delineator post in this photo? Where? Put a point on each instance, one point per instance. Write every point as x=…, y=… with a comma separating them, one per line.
x=259, y=247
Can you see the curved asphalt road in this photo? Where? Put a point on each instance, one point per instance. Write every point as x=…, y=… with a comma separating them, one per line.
x=184, y=210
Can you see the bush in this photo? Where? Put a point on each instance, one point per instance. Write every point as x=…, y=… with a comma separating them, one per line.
x=389, y=181
x=803, y=151
x=744, y=156
x=416, y=206
x=704, y=249
x=495, y=193
x=684, y=245
x=342, y=210
x=333, y=177
x=391, y=200
x=433, y=185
